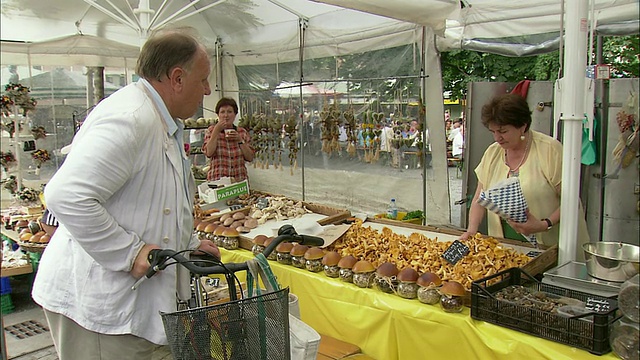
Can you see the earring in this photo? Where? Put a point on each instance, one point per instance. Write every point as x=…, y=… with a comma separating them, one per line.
x=522, y=137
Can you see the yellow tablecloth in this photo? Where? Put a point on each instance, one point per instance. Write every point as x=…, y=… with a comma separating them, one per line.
x=388, y=327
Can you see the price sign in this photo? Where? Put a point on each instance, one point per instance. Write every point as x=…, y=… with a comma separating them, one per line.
x=598, y=305
x=533, y=253
x=455, y=252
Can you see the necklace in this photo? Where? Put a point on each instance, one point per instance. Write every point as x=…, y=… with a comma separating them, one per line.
x=515, y=171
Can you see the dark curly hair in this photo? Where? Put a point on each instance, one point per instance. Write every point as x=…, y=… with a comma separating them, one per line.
x=508, y=109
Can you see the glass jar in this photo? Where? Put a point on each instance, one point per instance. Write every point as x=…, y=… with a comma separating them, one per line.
x=257, y=249
x=625, y=338
x=346, y=275
x=407, y=289
x=387, y=284
x=230, y=243
x=283, y=258
x=218, y=240
x=427, y=295
x=628, y=301
x=451, y=304
x=298, y=261
x=363, y=280
x=314, y=265
x=332, y=271
x=273, y=256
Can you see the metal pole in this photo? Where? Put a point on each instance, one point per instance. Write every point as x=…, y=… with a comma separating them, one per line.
x=303, y=26
x=572, y=109
x=423, y=95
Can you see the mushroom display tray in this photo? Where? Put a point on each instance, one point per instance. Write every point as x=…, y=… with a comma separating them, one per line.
x=592, y=336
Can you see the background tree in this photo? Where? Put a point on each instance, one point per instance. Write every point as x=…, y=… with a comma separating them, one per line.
x=460, y=67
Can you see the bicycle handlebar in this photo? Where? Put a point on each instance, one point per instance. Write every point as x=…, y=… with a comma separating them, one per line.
x=158, y=257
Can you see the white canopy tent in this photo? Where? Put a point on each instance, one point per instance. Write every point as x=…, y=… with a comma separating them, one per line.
x=243, y=32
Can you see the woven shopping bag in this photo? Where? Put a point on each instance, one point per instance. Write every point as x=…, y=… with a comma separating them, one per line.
x=506, y=199
x=304, y=340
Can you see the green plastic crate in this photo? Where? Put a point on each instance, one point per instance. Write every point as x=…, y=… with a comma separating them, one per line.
x=7, y=305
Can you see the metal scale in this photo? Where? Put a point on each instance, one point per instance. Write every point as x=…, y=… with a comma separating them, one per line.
x=573, y=275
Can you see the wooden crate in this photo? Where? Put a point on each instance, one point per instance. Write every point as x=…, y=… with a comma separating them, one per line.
x=18, y=270
x=334, y=216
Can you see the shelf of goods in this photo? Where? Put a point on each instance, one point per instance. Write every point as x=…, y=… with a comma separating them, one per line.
x=16, y=270
x=386, y=326
x=25, y=167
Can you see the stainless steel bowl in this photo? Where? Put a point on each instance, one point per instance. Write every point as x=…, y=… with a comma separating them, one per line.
x=611, y=261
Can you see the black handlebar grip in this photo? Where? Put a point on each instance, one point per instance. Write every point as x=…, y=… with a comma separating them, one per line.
x=311, y=240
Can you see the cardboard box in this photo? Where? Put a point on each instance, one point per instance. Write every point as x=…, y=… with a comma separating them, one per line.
x=223, y=192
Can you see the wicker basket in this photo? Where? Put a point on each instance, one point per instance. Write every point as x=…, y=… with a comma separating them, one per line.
x=32, y=247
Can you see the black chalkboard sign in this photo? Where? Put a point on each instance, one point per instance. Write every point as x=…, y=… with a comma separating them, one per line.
x=455, y=252
x=599, y=305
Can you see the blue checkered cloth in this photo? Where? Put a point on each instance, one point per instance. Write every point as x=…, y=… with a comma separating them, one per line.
x=506, y=200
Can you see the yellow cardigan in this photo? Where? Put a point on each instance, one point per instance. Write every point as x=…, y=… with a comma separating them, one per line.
x=540, y=177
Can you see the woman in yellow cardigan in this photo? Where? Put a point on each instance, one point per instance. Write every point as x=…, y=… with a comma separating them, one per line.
x=536, y=159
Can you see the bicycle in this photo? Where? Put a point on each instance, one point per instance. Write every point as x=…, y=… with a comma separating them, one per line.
x=249, y=328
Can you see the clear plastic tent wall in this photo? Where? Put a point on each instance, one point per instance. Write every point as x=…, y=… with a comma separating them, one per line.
x=360, y=140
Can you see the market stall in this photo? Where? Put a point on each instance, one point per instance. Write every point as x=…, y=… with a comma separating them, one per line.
x=386, y=326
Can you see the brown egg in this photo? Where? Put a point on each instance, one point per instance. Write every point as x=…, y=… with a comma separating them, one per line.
x=236, y=224
x=453, y=288
x=284, y=247
x=298, y=250
x=228, y=221
x=238, y=216
x=251, y=223
x=24, y=231
x=259, y=239
x=408, y=275
x=387, y=269
x=314, y=253
x=20, y=224
x=224, y=217
x=26, y=236
x=429, y=279
x=242, y=229
x=363, y=266
x=44, y=239
x=35, y=238
x=331, y=258
x=347, y=262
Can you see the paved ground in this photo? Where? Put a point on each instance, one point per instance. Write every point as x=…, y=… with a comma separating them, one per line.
x=28, y=318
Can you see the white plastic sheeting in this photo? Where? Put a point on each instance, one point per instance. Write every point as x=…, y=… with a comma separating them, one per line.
x=81, y=50
x=267, y=31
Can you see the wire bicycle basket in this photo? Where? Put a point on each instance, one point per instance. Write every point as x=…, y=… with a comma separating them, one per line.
x=255, y=328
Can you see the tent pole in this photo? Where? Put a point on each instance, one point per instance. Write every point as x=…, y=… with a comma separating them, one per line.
x=423, y=119
x=303, y=134
x=144, y=13
x=572, y=113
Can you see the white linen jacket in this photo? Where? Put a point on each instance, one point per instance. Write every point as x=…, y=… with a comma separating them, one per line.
x=121, y=186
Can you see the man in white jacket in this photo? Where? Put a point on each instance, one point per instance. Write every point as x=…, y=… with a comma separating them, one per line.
x=125, y=188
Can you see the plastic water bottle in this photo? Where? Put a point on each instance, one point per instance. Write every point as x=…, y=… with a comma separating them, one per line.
x=392, y=211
